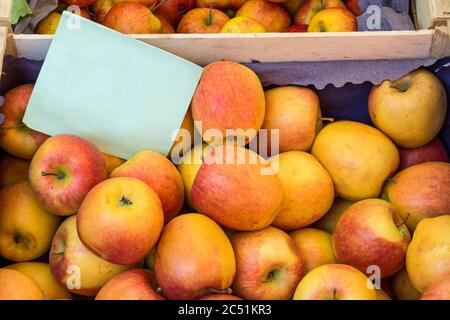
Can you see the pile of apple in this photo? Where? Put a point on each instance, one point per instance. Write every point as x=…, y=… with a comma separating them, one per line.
x=213, y=16
x=343, y=211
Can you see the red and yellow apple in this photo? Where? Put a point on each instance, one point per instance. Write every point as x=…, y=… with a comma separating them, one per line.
x=438, y=291
x=309, y=8
x=26, y=229
x=272, y=15
x=328, y=221
x=202, y=20
x=12, y=169
x=220, y=297
x=333, y=20
x=173, y=10
x=193, y=258
x=16, y=285
x=15, y=137
x=371, y=233
x=233, y=188
x=63, y=170
x=335, y=282
x=160, y=174
x=134, y=284
x=435, y=151
x=166, y=26
x=242, y=25
x=403, y=288
x=120, y=220
x=74, y=266
x=411, y=110
x=132, y=18
x=79, y=3
x=421, y=191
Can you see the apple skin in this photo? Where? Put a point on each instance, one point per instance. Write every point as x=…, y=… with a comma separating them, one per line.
x=315, y=247
x=428, y=257
x=174, y=10
x=160, y=174
x=202, y=20
x=353, y=6
x=269, y=265
x=307, y=187
x=111, y=162
x=242, y=25
x=239, y=104
x=26, y=229
x=60, y=180
x=417, y=100
x=80, y=3
x=292, y=6
x=298, y=28
x=272, y=15
x=67, y=250
x=328, y=221
x=166, y=26
x=15, y=138
x=435, y=151
x=210, y=263
x=347, y=151
x=309, y=8
x=120, y=220
x=438, y=291
x=41, y=273
x=295, y=112
x=18, y=286
x=12, y=169
x=183, y=144
x=220, y=297
x=333, y=20
x=132, y=18
x=134, y=284
x=335, y=282
x=256, y=200
x=429, y=183
x=371, y=233
x=100, y=8
x=403, y=288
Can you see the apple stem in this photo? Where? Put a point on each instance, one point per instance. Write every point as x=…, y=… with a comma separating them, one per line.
x=209, y=20
x=327, y=119
x=221, y=291
x=59, y=174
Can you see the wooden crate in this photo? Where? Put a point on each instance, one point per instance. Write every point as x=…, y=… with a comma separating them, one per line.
x=3, y=37
x=431, y=13
x=277, y=47
x=5, y=12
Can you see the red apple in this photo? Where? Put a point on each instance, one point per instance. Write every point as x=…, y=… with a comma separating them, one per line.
x=309, y=8
x=435, y=151
x=220, y=297
x=272, y=15
x=62, y=172
x=174, y=10
x=202, y=20
x=80, y=3
x=134, y=284
x=132, y=18
x=298, y=28
x=353, y=6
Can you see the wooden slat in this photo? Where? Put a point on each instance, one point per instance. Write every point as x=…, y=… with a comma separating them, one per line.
x=3, y=36
x=267, y=47
x=432, y=12
x=5, y=12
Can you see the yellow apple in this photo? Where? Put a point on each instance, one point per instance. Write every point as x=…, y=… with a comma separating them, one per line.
x=403, y=288
x=242, y=25
x=333, y=20
x=12, y=169
x=16, y=285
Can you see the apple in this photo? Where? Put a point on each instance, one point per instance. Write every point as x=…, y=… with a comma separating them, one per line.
x=63, y=170
x=15, y=137
x=49, y=24
x=41, y=273
x=174, y=10
x=111, y=162
x=188, y=168
x=134, y=284
x=185, y=138
x=429, y=183
x=428, y=256
x=120, y=220
x=220, y=297
x=292, y=6
x=26, y=229
x=347, y=150
x=79, y=3
x=333, y=20
x=403, y=288
x=16, y=285
x=100, y=8
x=269, y=265
x=335, y=282
x=242, y=25
x=160, y=174
x=309, y=8
x=295, y=112
x=328, y=221
x=298, y=28
x=381, y=295
x=193, y=258
x=12, y=169
x=220, y=191
x=272, y=15
x=166, y=26
x=202, y=20
x=238, y=105
x=315, y=247
x=371, y=233
x=438, y=291
x=411, y=110
x=147, y=3
x=435, y=151
x=132, y=18
x=308, y=190
x=354, y=7
x=75, y=267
